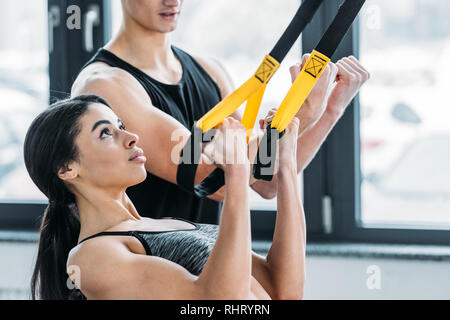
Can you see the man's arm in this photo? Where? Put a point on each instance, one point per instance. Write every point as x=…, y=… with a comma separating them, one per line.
x=160, y=135
x=349, y=78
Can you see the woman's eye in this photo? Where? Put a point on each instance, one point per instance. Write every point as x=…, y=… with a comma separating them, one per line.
x=105, y=132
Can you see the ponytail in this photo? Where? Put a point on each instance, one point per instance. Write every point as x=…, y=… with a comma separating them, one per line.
x=59, y=232
x=49, y=146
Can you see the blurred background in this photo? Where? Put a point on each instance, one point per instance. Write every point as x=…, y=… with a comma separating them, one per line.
x=378, y=193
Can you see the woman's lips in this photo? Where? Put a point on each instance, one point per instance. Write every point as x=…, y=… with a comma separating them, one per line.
x=140, y=159
x=138, y=156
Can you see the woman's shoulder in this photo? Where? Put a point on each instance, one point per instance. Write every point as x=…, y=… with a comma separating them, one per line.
x=85, y=253
x=82, y=251
x=90, y=264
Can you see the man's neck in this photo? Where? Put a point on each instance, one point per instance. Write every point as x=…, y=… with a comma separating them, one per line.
x=143, y=48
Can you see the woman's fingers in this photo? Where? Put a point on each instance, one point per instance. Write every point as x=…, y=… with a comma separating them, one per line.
x=229, y=145
x=333, y=71
x=356, y=66
x=345, y=72
x=269, y=117
x=295, y=71
x=261, y=124
x=328, y=75
x=292, y=128
x=297, y=68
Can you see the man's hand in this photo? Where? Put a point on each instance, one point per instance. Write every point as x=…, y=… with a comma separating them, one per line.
x=349, y=79
x=315, y=104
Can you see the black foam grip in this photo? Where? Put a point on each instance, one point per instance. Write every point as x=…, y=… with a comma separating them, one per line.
x=211, y=184
x=188, y=165
x=264, y=166
x=299, y=22
x=189, y=159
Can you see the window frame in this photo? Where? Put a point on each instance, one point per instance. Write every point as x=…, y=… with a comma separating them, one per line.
x=336, y=171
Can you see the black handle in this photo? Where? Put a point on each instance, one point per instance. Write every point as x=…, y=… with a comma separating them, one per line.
x=189, y=160
x=264, y=165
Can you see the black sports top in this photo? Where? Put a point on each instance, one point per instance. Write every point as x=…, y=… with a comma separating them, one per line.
x=187, y=102
x=189, y=248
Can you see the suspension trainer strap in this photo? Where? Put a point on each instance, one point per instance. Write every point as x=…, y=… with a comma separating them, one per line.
x=309, y=75
x=252, y=91
x=256, y=84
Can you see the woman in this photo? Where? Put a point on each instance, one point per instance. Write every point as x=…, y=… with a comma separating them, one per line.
x=82, y=158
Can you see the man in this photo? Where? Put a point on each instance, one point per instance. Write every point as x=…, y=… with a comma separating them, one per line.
x=156, y=88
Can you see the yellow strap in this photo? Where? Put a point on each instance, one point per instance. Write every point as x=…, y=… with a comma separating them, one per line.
x=251, y=110
x=232, y=102
x=300, y=90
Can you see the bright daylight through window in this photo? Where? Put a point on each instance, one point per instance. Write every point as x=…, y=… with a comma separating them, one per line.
x=24, y=86
x=405, y=112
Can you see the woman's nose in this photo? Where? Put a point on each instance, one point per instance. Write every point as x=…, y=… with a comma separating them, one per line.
x=131, y=140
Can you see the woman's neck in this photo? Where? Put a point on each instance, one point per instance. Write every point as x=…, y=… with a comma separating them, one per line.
x=101, y=210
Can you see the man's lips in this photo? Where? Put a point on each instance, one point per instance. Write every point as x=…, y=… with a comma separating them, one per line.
x=169, y=15
x=138, y=156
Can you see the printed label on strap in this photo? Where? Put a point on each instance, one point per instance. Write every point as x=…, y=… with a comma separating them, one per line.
x=267, y=69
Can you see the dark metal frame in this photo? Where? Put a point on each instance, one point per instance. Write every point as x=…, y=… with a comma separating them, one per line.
x=21, y=216
x=69, y=55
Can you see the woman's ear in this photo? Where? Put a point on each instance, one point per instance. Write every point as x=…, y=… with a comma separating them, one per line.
x=68, y=172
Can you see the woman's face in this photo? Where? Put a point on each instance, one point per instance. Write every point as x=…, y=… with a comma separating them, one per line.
x=157, y=15
x=108, y=155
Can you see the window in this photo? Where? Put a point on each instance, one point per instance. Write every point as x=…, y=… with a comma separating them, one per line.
x=24, y=86
x=40, y=57
x=405, y=132
x=382, y=175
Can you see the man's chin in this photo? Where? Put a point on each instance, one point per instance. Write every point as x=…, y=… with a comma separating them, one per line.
x=166, y=29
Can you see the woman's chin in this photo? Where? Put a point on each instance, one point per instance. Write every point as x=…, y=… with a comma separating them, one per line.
x=143, y=176
x=138, y=177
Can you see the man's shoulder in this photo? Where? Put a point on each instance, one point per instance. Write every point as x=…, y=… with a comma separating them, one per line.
x=217, y=71
x=210, y=64
x=99, y=74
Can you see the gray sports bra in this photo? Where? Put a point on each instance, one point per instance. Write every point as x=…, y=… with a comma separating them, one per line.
x=189, y=248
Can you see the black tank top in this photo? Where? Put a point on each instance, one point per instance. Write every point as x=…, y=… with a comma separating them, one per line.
x=189, y=248
x=187, y=102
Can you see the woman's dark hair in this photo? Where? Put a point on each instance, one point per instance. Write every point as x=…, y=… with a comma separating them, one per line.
x=49, y=146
